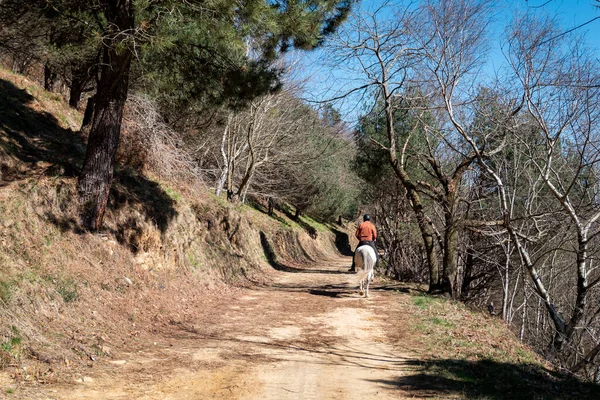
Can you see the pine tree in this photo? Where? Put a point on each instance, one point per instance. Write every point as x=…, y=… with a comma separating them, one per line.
x=219, y=50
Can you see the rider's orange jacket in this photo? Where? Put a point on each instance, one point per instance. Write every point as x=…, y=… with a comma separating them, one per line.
x=366, y=232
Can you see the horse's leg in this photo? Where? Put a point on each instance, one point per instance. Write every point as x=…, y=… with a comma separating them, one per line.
x=368, y=281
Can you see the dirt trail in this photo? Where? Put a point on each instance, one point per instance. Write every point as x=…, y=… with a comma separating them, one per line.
x=306, y=336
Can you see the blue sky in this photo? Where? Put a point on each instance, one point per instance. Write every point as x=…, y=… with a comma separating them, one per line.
x=569, y=14
x=324, y=81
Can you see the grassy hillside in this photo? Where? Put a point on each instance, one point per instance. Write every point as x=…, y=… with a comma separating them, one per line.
x=69, y=297
x=462, y=353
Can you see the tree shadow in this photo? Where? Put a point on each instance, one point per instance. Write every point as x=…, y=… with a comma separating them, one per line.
x=65, y=223
x=338, y=356
x=304, y=288
x=400, y=287
x=33, y=144
x=271, y=257
x=309, y=229
x=255, y=203
x=32, y=136
x=155, y=203
x=342, y=242
x=337, y=293
x=488, y=379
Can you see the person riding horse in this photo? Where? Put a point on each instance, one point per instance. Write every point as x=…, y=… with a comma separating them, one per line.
x=366, y=235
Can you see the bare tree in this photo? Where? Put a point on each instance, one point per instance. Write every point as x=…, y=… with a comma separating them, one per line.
x=383, y=54
x=558, y=109
x=269, y=132
x=233, y=144
x=449, y=63
x=561, y=92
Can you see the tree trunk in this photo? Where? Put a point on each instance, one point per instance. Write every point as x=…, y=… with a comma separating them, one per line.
x=506, y=284
x=225, y=154
x=270, y=206
x=428, y=235
x=88, y=116
x=245, y=184
x=75, y=91
x=450, y=258
x=230, y=170
x=564, y=331
x=427, y=231
x=49, y=78
x=524, y=312
x=82, y=74
x=451, y=281
x=97, y=172
x=467, y=279
x=221, y=182
x=582, y=285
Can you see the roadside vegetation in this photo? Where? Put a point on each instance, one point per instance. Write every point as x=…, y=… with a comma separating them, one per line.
x=459, y=352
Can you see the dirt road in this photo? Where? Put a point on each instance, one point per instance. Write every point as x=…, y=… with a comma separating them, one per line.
x=307, y=335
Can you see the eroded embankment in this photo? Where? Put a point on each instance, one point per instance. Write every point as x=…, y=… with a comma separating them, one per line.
x=70, y=298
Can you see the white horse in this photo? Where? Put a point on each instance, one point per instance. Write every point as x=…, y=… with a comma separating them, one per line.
x=364, y=260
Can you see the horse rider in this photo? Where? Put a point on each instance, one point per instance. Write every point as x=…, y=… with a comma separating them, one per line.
x=366, y=235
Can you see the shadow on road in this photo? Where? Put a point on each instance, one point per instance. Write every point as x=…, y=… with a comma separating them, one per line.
x=431, y=378
x=487, y=379
x=336, y=355
x=335, y=290
x=331, y=293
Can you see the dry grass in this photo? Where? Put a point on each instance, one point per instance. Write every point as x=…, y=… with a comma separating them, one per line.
x=466, y=354
x=36, y=131
x=72, y=294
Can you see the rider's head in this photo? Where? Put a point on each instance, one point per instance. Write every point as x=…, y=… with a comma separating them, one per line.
x=366, y=217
